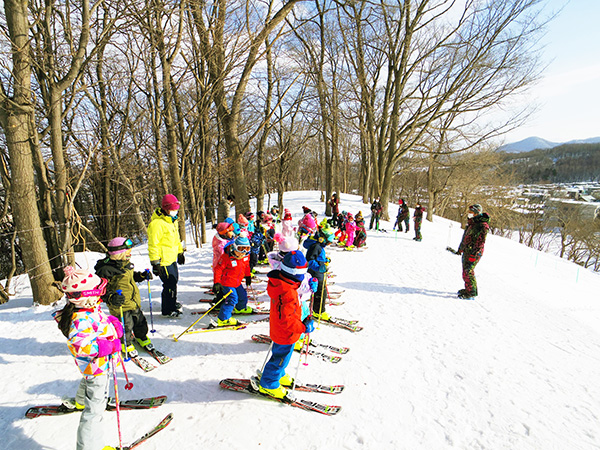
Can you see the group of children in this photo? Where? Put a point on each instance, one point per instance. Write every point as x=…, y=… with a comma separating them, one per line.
x=403, y=216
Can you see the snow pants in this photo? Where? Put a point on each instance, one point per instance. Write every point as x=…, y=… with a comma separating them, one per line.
x=418, y=229
x=169, y=275
x=135, y=322
x=276, y=365
x=237, y=299
x=320, y=296
x=350, y=239
x=468, y=263
x=92, y=393
x=374, y=219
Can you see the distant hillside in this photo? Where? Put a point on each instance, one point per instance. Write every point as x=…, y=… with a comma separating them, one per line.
x=561, y=164
x=537, y=143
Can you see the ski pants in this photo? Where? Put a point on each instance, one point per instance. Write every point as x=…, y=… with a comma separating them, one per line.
x=92, y=393
x=320, y=296
x=238, y=299
x=468, y=263
x=276, y=365
x=135, y=322
x=374, y=218
x=169, y=275
x=418, y=229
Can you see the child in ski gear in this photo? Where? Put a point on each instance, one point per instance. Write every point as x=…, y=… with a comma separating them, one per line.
x=403, y=216
x=165, y=251
x=418, y=218
x=307, y=225
x=376, y=209
x=250, y=218
x=233, y=267
x=471, y=248
x=287, y=227
x=93, y=338
x=269, y=231
x=361, y=233
x=285, y=323
x=318, y=265
x=274, y=212
x=256, y=247
x=350, y=231
x=223, y=236
x=117, y=268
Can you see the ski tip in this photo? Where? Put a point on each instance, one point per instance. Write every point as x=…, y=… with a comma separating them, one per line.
x=175, y=338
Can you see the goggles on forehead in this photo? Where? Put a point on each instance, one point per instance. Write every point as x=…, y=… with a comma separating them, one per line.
x=98, y=291
x=124, y=246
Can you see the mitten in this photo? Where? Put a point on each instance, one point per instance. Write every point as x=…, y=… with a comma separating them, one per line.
x=156, y=269
x=116, y=323
x=108, y=346
x=314, y=284
x=248, y=281
x=181, y=259
x=309, y=324
x=322, y=268
x=147, y=274
x=217, y=288
x=116, y=299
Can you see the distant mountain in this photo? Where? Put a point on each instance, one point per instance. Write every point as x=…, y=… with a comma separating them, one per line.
x=537, y=143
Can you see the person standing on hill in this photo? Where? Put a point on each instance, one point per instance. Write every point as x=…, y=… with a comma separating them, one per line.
x=403, y=216
x=224, y=208
x=376, y=209
x=418, y=219
x=165, y=251
x=471, y=248
x=334, y=202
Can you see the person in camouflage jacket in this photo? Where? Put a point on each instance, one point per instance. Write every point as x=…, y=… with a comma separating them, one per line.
x=471, y=248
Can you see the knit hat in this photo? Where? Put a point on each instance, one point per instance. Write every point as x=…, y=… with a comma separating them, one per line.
x=236, y=229
x=350, y=216
x=249, y=215
x=294, y=265
x=243, y=242
x=242, y=220
x=169, y=203
x=305, y=210
x=289, y=243
x=287, y=215
x=229, y=220
x=476, y=209
x=119, y=245
x=83, y=288
x=224, y=227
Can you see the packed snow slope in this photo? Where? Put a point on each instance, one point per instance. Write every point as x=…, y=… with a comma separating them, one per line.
x=516, y=369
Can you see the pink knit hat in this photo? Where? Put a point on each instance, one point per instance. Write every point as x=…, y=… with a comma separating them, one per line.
x=170, y=203
x=83, y=288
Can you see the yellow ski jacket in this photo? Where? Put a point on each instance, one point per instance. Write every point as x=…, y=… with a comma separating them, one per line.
x=164, y=243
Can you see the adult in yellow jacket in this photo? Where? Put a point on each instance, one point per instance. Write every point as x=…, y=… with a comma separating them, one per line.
x=166, y=252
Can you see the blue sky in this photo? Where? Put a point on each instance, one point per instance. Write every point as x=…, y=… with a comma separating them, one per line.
x=568, y=95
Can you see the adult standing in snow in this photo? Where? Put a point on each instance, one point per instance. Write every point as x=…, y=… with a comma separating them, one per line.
x=376, y=209
x=403, y=216
x=225, y=208
x=471, y=248
x=165, y=251
x=93, y=338
x=334, y=202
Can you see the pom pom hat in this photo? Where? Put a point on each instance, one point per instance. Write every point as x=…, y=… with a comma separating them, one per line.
x=170, y=203
x=290, y=243
x=82, y=287
x=242, y=220
x=224, y=228
x=294, y=265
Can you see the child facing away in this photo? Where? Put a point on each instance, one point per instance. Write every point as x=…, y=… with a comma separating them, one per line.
x=285, y=324
x=233, y=267
x=117, y=268
x=221, y=238
x=318, y=265
x=93, y=339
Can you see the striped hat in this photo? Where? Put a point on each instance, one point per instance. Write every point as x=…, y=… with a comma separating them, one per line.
x=294, y=265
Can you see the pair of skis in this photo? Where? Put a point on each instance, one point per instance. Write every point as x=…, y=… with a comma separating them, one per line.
x=143, y=364
x=265, y=339
x=350, y=325
x=251, y=387
x=212, y=326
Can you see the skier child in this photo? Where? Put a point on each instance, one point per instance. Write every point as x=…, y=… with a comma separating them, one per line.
x=285, y=324
x=117, y=268
x=350, y=231
x=232, y=268
x=318, y=265
x=93, y=339
x=418, y=219
x=403, y=216
x=361, y=233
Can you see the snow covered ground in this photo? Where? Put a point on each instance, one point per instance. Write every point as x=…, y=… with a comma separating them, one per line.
x=516, y=369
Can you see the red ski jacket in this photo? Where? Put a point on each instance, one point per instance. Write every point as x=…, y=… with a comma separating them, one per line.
x=230, y=271
x=285, y=324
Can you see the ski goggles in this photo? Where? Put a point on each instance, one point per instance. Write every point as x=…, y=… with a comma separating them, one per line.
x=124, y=246
x=245, y=249
x=98, y=291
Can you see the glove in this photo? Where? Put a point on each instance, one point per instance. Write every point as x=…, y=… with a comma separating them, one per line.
x=322, y=268
x=156, y=269
x=327, y=260
x=147, y=274
x=217, y=287
x=117, y=299
x=248, y=281
x=181, y=259
x=314, y=284
x=309, y=324
x=116, y=323
x=108, y=346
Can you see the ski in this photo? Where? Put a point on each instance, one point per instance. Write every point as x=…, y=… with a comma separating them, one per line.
x=246, y=386
x=161, y=425
x=341, y=323
x=334, y=295
x=159, y=356
x=308, y=387
x=266, y=339
x=212, y=326
x=142, y=363
x=59, y=410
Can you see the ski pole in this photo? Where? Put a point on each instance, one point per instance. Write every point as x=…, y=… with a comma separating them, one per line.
x=120, y=292
x=307, y=342
x=128, y=384
x=203, y=315
x=114, y=367
x=262, y=369
x=150, y=301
